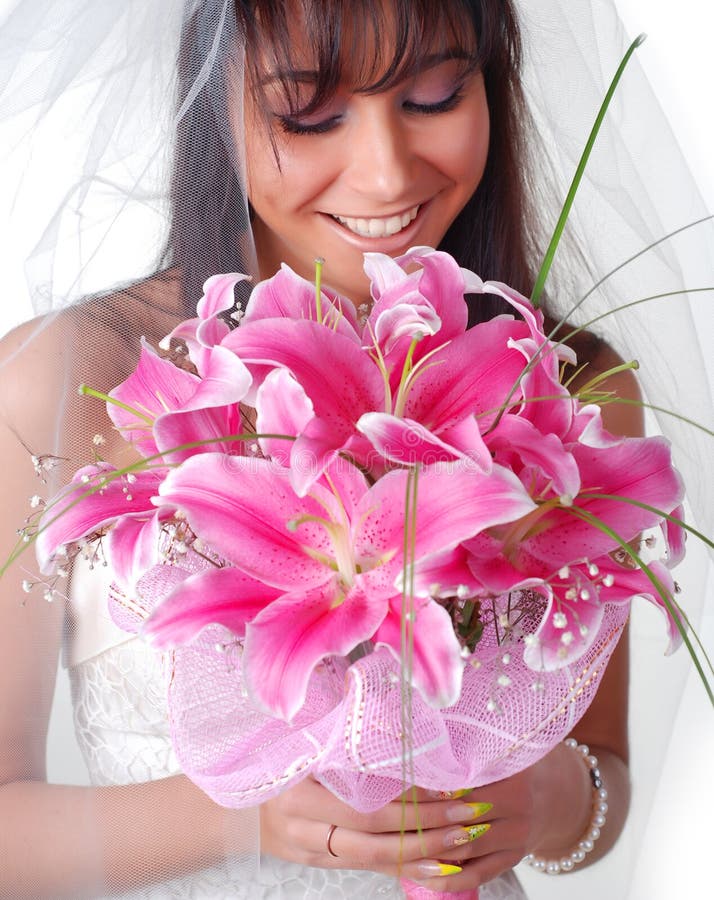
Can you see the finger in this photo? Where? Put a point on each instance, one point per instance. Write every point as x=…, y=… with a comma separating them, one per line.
x=473, y=874
x=484, y=839
x=313, y=801
x=389, y=851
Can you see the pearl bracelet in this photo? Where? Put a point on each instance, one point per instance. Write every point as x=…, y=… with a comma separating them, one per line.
x=597, y=820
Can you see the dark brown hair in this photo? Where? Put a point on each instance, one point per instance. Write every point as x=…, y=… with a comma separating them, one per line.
x=491, y=235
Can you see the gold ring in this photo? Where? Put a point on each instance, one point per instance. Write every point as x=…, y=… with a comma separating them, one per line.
x=330, y=832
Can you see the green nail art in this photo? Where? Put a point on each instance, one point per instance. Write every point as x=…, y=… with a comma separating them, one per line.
x=457, y=795
x=471, y=833
x=480, y=809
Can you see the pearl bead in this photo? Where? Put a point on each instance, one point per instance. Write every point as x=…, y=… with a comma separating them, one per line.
x=599, y=809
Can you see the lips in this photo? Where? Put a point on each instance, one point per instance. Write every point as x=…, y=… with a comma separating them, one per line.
x=378, y=227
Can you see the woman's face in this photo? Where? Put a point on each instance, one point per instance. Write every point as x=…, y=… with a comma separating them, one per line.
x=376, y=172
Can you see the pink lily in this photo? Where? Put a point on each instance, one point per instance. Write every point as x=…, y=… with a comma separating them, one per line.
x=96, y=498
x=208, y=328
x=288, y=296
x=468, y=375
x=559, y=552
x=334, y=556
x=162, y=407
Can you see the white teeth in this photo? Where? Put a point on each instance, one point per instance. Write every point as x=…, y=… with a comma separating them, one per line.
x=379, y=228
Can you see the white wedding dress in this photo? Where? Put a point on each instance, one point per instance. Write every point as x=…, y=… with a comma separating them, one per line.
x=118, y=686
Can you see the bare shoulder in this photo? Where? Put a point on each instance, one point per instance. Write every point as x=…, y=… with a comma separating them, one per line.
x=95, y=342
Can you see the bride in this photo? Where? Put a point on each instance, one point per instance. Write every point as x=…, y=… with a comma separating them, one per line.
x=235, y=137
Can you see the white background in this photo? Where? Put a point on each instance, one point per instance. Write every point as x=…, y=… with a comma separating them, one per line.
x=673, y=857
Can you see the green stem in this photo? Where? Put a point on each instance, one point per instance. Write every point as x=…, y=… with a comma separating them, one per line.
x=155, y=461
x=662, y=592
x=86, y=391
x=637, y=255
x=560, y=226
x=591, y=495
x=319, y=263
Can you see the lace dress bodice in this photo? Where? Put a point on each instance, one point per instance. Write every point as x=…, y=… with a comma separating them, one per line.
x=118, y=686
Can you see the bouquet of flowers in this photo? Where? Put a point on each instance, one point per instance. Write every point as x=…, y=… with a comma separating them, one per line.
x=412, y=570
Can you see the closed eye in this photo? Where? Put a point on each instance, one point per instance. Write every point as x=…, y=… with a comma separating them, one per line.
x=441, y=106
x=292, y=125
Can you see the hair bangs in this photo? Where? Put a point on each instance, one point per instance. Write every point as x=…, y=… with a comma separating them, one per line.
x=312, y=48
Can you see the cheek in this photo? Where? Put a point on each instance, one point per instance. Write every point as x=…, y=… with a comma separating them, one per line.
x=301, y=175
x=466, y=154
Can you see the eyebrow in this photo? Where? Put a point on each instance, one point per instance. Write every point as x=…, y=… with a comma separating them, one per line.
x=310, y=76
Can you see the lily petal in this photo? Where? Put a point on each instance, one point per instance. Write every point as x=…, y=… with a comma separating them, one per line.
x=435, y=652
x=223, y=596
x=543, y=451
x=153, y=388
x=404, y=441
x=568, y=629
x=242, y=507
x=133, y=548
x=94, y=499
x=288, y=296
x=637, y=468
x=452, y=505
x=282, y=407
x=289, y=638
x=212, y=412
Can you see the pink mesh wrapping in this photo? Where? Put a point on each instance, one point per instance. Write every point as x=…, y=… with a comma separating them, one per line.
x=351, y=734
x=414, y=891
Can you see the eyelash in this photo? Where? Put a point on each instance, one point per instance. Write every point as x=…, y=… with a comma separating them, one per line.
x=295, y=126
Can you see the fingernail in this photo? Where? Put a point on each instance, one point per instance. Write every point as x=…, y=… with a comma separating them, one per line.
x=450, y=795
x=438, y=869
x=467, y=812
x=465, y=835
x=480, y=809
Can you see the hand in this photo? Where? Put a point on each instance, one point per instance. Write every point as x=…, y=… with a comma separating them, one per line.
x=401, y=839
x=486, y=832
x=543, y=808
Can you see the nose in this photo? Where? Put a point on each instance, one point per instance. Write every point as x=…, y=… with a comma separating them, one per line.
x=381, y=160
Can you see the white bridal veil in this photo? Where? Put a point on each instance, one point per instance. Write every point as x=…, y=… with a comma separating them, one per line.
x=91, y=101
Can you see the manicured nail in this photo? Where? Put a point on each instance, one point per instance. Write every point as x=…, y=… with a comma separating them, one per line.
x=450, y=795
x=467, y=812
x=480, y=809
x=438, y=869
x=465, y=835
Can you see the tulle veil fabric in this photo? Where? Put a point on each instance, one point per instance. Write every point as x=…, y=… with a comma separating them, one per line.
x=100, y=78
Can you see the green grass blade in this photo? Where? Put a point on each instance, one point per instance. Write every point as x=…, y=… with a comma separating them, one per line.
x=577, y=178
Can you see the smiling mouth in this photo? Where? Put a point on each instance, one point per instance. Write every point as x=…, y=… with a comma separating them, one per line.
x=378, y=228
